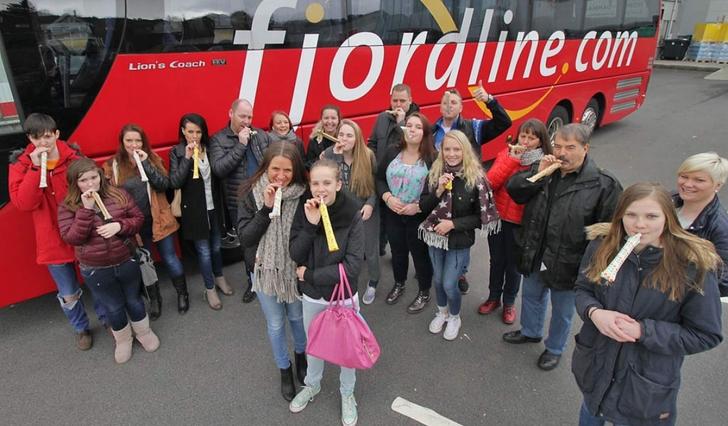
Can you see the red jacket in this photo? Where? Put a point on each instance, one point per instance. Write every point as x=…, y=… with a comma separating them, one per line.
x=23, y=181
x=503, y=168
x=79, y=229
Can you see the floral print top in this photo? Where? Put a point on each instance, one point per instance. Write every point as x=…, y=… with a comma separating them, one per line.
x=406, y=181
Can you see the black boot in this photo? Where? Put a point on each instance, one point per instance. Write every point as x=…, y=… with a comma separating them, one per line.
x=183, y=298
x=288, y=389
x=301, y=367
x=155, y=301
x=249, y=294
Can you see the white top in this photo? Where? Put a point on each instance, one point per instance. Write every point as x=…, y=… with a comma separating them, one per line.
x=322, y=301
x=204, y=167
x=685, y=223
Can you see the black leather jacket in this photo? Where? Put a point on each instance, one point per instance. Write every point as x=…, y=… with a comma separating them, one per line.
x=558, y=232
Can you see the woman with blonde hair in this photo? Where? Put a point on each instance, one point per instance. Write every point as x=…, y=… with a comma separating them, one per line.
x=358, y=167
x=699, y=179
x=458, y=199
x=642, y=317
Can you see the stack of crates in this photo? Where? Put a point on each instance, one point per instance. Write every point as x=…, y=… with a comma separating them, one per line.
x=709, y=43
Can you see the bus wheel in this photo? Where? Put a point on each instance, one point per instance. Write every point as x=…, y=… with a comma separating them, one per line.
x=590, y=116
x=559, y=117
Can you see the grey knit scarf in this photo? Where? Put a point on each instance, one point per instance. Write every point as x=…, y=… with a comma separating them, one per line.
x=532, y=156
x=275, y=271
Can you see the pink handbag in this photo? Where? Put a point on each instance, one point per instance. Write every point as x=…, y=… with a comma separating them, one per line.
x=339, y=335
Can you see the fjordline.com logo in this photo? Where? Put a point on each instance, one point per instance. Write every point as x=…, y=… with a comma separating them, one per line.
x=609, y=51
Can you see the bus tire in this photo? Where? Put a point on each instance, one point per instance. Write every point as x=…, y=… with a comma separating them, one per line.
x=590, y=116
x=558, y=118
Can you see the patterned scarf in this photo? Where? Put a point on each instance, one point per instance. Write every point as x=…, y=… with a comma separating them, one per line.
x=489, y=219
x=532, y=156
x=275, y=271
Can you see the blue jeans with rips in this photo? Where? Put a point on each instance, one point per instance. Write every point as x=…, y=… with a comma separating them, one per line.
x=64, y=275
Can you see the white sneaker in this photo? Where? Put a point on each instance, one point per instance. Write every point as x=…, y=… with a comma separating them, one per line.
x=439, y=321
x=369, y=295
x=453, y=328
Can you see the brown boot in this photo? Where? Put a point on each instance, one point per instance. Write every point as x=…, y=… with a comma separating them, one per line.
x=213, y=299
x=84, y=340
x=145, y=335
x=124, y=339
x=224, y=287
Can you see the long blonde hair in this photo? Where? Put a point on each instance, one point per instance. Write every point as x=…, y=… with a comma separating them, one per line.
x=679, y=247
x=361, y=183
x=472, y=170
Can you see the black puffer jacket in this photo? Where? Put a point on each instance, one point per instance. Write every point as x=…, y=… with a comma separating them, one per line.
x=226, y=155
x=195, y=225
x=465, y=213
x=308, y=247
x=590, y=199
x=636, y=383
x=712, y=225
x=387, y=132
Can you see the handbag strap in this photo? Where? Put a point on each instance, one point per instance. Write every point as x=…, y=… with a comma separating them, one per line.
x=338, y=296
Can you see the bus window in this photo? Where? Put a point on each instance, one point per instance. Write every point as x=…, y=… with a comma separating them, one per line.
x=641, y=16
x=9, y=112
x=59, y=53
x=550, y=16
x=390, y=19
x=184, y=26
x=603, y=15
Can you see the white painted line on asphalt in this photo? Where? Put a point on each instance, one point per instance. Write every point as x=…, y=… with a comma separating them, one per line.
x=724, y=299
x=421, y=414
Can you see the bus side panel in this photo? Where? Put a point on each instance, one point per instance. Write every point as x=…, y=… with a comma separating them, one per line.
x=23, y=279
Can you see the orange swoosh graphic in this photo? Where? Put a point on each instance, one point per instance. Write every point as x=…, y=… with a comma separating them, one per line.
x=518, y=113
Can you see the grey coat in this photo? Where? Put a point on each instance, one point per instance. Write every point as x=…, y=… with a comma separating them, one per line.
x=227, y=159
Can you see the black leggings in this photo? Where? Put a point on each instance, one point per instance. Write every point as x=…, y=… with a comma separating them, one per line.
x=403, y=241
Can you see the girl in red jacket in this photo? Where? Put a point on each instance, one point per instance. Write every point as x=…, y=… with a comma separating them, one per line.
x=27, y=195
x=533, y=143
x=104, y=249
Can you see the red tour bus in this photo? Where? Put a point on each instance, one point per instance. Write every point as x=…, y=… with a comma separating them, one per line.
x=95, y=66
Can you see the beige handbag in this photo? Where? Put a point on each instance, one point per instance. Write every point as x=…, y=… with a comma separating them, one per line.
x=176, y=204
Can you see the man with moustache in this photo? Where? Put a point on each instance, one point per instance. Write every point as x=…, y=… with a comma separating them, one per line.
x=235, y=153
x=552, y=239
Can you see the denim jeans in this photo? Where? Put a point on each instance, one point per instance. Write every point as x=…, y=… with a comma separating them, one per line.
x=165, y=246
x=275, y=317
x=118, y=289
x=64, y=275
x=315, y=371
x=588, y=419
x=209, y=256
x=447, y=266
x=533, y=312
x=403, y=241
x=504, y=277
